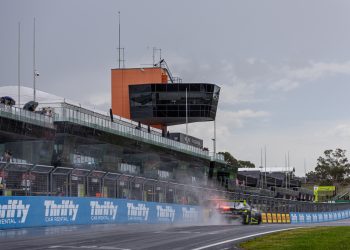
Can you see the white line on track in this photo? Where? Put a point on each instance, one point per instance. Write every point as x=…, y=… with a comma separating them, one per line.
x=178, y=232
x=88, y=247
x=244, y=237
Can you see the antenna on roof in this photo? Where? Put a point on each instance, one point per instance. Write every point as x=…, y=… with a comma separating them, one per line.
x=119, y=38
x=121, y=54
x=154, y=55
x=160, y=64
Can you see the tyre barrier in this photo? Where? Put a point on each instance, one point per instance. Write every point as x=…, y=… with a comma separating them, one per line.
x=275, y=218
x=32, y=211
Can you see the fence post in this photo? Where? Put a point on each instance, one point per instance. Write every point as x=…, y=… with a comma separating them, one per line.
x=102, y=184
x=49, y=182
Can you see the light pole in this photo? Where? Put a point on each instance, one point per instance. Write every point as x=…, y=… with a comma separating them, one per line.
x=214, y=139
x=19, y=64
x=34, y=66
x=265, y=167
x=186, y=114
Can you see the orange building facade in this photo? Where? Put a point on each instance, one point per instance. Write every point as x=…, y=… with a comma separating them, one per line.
x=122, y=78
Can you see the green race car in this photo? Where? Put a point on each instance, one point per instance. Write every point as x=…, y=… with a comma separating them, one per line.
x=234, y=210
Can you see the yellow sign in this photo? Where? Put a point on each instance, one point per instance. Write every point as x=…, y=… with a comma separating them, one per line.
x=324, y=188
x=263, y=218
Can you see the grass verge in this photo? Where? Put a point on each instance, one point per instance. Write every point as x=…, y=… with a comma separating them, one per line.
x=323, y=238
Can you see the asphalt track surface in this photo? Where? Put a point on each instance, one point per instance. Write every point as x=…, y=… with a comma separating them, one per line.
x=124, y=237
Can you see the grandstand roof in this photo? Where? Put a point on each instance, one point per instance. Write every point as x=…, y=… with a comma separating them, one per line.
x=268, y=170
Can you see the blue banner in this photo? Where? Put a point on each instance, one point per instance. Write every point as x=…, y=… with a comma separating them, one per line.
x=31, y=211
x=297, y=218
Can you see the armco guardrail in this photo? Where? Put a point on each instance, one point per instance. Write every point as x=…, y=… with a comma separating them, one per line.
x=296, y=218
x=32, y=211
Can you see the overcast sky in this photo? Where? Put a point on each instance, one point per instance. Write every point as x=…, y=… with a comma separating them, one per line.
x=283, y=66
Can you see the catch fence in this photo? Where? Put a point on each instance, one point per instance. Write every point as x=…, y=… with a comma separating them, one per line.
x=19, y=179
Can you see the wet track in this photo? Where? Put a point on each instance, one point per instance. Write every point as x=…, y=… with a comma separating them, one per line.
x=119, y=237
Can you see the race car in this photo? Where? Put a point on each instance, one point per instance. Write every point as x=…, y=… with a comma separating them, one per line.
x=233, y=210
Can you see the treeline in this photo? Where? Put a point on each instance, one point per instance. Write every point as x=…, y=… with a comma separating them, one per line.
x=332, y=168
x=235, y=162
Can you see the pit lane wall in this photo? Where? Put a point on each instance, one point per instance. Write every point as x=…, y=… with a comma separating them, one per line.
x=32, y=211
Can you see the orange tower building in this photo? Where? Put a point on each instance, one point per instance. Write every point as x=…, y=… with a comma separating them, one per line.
x=122, y=78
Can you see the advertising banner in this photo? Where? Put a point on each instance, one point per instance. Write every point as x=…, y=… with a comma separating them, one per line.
x=296, y=218
x=32, y=211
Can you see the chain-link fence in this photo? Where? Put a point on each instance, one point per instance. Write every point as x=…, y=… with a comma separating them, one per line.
x=18, y=179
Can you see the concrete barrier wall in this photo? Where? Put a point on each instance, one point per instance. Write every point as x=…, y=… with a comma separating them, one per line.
x=32, y=211
x=297, y=218
x=300, y=218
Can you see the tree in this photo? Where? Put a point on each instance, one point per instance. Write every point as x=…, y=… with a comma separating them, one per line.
x=236, y=163
x=246, y=164
x=312, y=177
x=230, y=159
x=332, y=168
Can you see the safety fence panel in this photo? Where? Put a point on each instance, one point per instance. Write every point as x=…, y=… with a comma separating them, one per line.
x=301, y=218
x=31, y=211
x=22, y=179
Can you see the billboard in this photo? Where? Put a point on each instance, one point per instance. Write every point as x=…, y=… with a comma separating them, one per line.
x=27, y=211
x=297, y=218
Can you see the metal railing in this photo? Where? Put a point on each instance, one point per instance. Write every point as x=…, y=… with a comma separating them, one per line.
x=31, y=180
x=81, y=116
x=26, y=116
x=78, y=115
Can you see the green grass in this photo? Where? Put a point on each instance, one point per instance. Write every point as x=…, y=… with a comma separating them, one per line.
x=320, y=238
